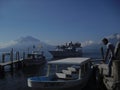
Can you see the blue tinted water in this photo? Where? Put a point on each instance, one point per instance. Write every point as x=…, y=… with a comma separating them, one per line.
x=18, y=79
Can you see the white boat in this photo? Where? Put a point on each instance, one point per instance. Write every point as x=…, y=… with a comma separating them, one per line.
x=70, y=77
x=67, y=51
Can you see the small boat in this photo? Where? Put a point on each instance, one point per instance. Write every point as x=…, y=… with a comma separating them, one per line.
x=66, y=51
x=78, y=72
x=34, y=58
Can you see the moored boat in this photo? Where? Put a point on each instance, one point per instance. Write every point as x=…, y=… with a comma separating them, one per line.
x=66, y=51
x=34, y=58
x=77, y=73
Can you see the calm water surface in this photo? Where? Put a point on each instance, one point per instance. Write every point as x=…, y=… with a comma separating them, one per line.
x=18, y=79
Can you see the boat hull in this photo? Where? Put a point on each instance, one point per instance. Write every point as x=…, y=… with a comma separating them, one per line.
x=61, y=80
x=65, y=54
x=32, y=62
x=52, y=82
x=49, y=83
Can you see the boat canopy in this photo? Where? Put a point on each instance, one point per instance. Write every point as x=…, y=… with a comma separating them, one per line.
x=74, y=61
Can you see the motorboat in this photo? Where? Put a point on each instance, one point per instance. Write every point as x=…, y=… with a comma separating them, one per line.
x=77, y=72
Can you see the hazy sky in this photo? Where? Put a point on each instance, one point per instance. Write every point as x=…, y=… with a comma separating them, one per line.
x=58, y=21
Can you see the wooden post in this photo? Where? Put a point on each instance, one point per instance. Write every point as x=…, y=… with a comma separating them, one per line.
x=3, y=58
x=116, y=74
x=2, y=66
x=11, y=58
x=18, y=55
x=19, y=62
x=23, y=55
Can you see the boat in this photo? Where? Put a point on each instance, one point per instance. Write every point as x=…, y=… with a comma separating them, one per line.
x=34, y=58
x=77, y=72
x=67, y=50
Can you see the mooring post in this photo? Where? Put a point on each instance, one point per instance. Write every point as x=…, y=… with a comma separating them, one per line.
x=11, y=59
x=3, y=58
x=2, y=66
x=116, y=74
x=19, y=64
x=23, y=55
x=16, y=58
x=18, y=55
x=22, y=62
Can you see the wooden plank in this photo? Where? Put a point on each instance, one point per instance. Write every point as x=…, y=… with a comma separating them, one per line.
x=8, y=63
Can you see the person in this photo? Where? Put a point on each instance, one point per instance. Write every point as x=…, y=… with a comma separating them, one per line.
x=109, y=54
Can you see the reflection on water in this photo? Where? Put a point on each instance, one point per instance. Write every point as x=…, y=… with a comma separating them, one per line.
x=18, y=79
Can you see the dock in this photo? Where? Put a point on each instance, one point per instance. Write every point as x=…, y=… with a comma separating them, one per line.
x=17, y=63
x=112, y=82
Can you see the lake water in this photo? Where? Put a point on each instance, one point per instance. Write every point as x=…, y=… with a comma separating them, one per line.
x=18, y=79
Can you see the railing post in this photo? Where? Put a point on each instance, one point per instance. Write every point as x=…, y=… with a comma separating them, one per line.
x=3, y=58
x=11, y=59
x=23, y=55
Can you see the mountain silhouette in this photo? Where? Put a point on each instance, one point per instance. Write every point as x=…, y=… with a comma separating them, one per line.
x=28, y=44
x=27, y=39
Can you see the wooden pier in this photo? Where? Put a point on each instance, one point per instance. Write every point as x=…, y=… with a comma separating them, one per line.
x=17, y=63
x=14, y=61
